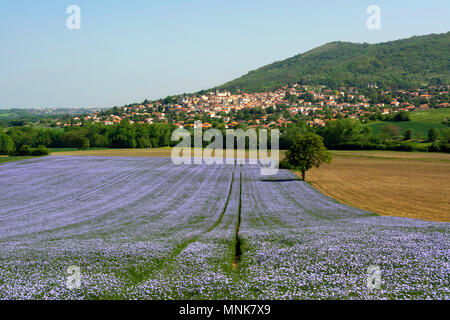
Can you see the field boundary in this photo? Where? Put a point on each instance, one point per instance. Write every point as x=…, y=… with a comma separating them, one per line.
x=388, y=158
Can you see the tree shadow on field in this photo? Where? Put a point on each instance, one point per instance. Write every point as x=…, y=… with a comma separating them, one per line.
x=280, y=180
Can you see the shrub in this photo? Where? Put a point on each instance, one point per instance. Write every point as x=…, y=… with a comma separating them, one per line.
x=421, y=147
x=359, y=146
x=25, y=150
x=402, y=116
x=444, y=147
x=434, y=148
x=433, y=134
x=83, y=144
x=404, y=147
x=6, y=144
x=39, y=151
x=408, y=134
x=446, y=135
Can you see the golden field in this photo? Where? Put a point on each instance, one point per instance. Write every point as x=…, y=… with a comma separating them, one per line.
x=406, y=184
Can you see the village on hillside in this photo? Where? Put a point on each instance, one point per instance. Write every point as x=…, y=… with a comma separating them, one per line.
x=315, y=104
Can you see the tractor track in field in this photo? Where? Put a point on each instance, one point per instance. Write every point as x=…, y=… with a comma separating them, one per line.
x=237, y=239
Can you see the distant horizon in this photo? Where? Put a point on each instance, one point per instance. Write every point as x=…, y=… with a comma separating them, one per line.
x=148, y=50
x=41, y=108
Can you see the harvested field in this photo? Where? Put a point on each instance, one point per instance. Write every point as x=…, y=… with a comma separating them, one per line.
x=413, y=185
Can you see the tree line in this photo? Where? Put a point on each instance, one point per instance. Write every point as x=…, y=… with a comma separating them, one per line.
x=352, y=134
x=15, y=140
x=344, y=133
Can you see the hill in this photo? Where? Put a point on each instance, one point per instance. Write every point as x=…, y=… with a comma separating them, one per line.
x=405, y=63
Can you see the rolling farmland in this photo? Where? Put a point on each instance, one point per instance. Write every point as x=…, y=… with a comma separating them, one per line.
x=406, y=184
x=142, y=228
x=421, y=121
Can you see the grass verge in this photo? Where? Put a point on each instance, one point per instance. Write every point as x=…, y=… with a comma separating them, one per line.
x=4, y=159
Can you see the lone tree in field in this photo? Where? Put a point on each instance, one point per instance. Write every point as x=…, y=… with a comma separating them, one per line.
x=306, y=151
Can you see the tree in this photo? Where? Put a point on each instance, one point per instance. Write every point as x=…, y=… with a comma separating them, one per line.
x=391, y=130
x=291, y=132
x=307, y=97
x=433, y=134
x=84, y=144
x=143, y=142
x=408, y=134
x=307, y=151
x=39, y=151
x=25, y=150
x=43, y=138
x=73, y=138
x=6, y=144
x=123, y=135
x=446, y=135
x=386, y=98
x=342, y=131
x=402, y=116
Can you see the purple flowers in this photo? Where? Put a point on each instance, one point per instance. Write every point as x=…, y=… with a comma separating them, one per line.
x=144, y=228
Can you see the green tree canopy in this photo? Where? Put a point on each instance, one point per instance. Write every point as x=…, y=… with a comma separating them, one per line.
x=84, y=144
x=307, y=151
x=408, y=134
x=342, y=131
x=6, y=144
x=433, y=134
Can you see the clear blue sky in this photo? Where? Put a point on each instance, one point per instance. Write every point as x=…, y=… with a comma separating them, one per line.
x=127, y=51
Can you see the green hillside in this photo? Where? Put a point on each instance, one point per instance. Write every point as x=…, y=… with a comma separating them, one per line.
x=421, y=121
x=402, y=63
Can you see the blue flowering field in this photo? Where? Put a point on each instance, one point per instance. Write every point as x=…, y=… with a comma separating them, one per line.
x=144, y=228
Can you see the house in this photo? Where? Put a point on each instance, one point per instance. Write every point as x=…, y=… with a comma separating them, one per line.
x=395, y=103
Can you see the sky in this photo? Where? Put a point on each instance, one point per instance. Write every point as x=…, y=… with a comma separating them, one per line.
x=129, y=51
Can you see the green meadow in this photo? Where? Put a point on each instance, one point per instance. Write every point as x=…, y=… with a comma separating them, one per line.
x=421, y=121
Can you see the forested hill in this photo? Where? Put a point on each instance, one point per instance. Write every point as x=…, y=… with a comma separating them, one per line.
x=415, y=61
